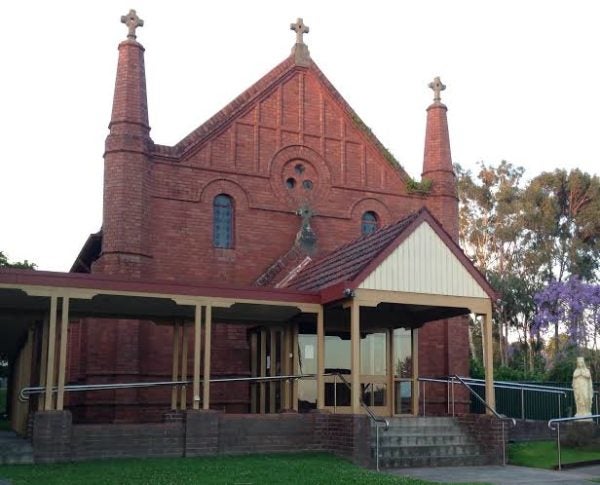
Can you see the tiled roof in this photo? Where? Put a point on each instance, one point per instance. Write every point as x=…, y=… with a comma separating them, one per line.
x=346, y=262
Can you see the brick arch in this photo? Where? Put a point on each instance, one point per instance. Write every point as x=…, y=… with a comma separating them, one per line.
x=371, y=204
x=310, y=157
x=224, y=186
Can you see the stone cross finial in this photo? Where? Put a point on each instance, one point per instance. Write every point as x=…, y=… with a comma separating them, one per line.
x=437, y=87
x=133, y=22
x=300, y=29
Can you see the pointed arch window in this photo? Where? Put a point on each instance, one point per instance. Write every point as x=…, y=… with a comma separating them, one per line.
x=223, y=221
x=369, y=223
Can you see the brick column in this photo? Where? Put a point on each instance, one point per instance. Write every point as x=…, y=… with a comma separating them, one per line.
x=52, y=433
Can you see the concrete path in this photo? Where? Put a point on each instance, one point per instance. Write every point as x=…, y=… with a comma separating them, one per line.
x=502, y=475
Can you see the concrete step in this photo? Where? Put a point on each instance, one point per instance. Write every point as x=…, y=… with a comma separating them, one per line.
x=419, y=430
x=427, y=450
x=418, y=439
x=430, y=441
x=14, y=450
x=426, y=461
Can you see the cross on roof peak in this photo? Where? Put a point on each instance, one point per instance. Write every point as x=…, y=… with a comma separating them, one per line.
x=132, y=21
x=300, y=28
x=437, y=87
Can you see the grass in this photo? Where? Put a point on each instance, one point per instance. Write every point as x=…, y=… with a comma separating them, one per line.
x=307, y=468
x=542, y=454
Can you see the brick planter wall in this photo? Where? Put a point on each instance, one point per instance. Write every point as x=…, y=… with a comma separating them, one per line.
x=487, y=431
x=202, y=433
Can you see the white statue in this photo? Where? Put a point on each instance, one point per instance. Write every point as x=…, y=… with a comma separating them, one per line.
x=582, y=388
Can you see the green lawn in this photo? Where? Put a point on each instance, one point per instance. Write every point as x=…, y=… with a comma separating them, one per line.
x=308, y=468
x=542, y=454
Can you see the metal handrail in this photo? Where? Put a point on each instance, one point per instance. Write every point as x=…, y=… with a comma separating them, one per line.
x=503, y=385
x=376, y=419
x=28, y=391
x=497, y=415
x=557, y=421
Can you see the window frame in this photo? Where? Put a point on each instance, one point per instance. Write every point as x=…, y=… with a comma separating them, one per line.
x=216, y=235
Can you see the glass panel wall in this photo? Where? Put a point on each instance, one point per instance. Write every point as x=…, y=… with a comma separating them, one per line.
x=403, y=371
x=338, y=358
x=374, y=368
x=307, y=388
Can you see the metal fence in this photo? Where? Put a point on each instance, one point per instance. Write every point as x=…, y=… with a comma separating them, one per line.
x=529, y=403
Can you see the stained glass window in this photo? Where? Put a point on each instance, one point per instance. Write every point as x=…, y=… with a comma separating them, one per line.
x=369, y=223
x=223, y=221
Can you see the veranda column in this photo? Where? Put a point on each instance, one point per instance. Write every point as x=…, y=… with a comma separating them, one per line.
x=272, y=369
x=320, y=359
x=62, y=359
x=295, y=365
x=207, y=342
x=355, y=349
x=184, y=364
x=51, y=354
x=175, y=372
x=197, y=347
x=43, y=360
x=488, y=360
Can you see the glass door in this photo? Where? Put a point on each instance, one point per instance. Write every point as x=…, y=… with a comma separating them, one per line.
x=404, y=372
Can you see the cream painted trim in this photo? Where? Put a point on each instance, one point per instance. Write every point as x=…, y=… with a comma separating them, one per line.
x=207, y=352
x=220, y=302
x=175, y=366
x=355, y=389
x=197, y=348
x=184, y=364
x=320, y=359
x=375, y=297
x=64, y=333
x=43, y=363
x=48, y=398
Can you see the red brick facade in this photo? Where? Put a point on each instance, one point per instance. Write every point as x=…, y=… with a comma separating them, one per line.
x=158, y=210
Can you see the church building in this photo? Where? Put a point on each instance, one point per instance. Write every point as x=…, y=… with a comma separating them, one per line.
x=277, y=259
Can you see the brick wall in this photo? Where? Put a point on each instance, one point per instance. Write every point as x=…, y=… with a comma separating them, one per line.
x=201, y=433
x=487, y=431
x=157, y=219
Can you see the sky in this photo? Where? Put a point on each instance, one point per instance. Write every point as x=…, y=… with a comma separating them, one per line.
x=522, y=85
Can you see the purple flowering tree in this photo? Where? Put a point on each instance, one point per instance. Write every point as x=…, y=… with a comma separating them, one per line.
x=573, y=307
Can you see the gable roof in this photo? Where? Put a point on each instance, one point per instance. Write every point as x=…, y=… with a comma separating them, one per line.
x=246, y=100
x=351, y=264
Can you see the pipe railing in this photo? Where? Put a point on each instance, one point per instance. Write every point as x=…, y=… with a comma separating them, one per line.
x=557, y=421
x=523, y=387
x=378, y=420
x=29, y=391
x=501, y=417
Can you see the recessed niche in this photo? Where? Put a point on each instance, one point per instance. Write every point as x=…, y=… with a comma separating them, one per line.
x=290, y=183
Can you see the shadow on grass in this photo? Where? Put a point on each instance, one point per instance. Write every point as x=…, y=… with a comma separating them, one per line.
x=543, y=454
x=299, y=468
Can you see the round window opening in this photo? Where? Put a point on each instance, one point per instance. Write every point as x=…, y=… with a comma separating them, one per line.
x=290, y=183
x=307, y=184
x=299, y=168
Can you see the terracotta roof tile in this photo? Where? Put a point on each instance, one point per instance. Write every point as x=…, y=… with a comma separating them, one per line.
x=346, y=262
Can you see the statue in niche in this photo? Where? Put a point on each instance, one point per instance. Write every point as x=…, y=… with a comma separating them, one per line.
x=582, y=388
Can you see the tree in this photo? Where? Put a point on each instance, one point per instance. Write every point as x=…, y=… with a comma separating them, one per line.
x=4, y=263
x=562, y=225
x=490, y=228
x=572, y=305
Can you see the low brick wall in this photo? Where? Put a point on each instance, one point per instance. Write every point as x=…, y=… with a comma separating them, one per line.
x=201, y=433
x=530, y=430
x=487, y=431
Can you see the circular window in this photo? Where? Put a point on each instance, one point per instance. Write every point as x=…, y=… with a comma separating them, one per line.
x=290, y=183
x=307, y=184
x=299, y=168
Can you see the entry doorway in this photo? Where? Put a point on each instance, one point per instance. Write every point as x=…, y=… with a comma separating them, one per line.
x=272, y=355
